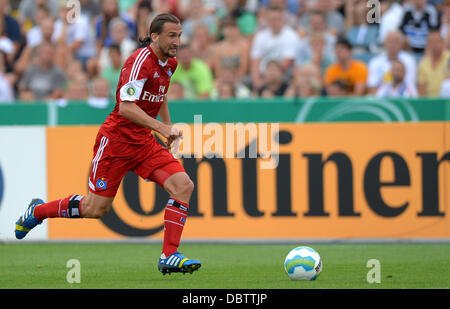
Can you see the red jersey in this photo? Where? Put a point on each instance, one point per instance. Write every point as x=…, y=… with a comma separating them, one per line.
x=144, y=79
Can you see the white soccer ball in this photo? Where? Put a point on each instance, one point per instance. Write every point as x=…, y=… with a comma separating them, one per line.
x=303, y=263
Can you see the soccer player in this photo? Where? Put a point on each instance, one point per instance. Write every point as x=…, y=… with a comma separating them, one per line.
x=125, y=143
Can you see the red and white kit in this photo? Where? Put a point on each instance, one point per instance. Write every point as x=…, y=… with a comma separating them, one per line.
x=122, y=145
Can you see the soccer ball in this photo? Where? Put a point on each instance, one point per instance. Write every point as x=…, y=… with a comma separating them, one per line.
x=303, y=263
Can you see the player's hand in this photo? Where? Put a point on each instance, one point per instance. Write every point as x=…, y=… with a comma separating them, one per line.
x=176, y=134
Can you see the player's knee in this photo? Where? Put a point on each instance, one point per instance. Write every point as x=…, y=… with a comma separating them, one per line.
x=183, y=188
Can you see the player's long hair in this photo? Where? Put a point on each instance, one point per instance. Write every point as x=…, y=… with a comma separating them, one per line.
x=157, y=26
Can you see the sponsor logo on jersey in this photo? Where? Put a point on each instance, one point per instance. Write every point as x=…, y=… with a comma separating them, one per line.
x=153, y=97
x=156, y=75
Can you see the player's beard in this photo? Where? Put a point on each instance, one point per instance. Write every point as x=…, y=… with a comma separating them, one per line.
x=169, y=51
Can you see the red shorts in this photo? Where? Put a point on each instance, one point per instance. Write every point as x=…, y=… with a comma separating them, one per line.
x=112, y=160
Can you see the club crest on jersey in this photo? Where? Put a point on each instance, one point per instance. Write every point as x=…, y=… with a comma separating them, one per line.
x=101, y=184
x=170, y=73
x=131, y=91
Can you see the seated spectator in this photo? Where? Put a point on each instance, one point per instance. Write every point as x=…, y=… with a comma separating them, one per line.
x=380, y=65
x=143, y=16
x=202, y=44
x=120, y=37
x=418, y=20
x=44, y=79
x=226, y=90
x=398, y=86
x=445, y=86
x=433, y=66
x=99, y=93
x=193, y=74
x=277, y=42
x=6, y=87
x=232, y=51
x=175, y=91
x=75, y=38
x=11, y=30
x=274, y=83
x=290, y=9
x=334, y=19
x=228, y=75
x=197, y=15
x=36, y=34
x=445, y=23
x=362, y=35
x=307, y=82
x=77, y=88
x=28, y=10
x=318, y=24
x=246, y=21
x=353, y=72
x=338, y=88
x=110, y=11
x=391, y=17
x=112, y=72
x=313, y=49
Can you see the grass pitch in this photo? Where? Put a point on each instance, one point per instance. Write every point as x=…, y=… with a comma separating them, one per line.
x=225, y=266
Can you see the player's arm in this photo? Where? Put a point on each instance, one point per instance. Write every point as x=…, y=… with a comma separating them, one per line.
x=134, y=113
x=164, y=113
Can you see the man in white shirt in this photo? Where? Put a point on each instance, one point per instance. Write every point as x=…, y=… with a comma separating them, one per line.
x=277, y=42
x=380, y=66
x=398, y=87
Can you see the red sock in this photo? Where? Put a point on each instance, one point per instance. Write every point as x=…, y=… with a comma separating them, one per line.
x=68, y=207
x=174, y=220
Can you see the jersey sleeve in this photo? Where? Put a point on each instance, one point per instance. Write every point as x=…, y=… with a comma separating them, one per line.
x=134, y=75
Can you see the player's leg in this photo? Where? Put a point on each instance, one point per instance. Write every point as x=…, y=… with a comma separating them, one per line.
x=171, y=176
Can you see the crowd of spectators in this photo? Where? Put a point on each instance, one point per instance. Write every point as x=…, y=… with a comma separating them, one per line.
x=229, y=48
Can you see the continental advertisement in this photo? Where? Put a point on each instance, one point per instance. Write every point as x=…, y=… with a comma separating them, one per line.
x=275, y=181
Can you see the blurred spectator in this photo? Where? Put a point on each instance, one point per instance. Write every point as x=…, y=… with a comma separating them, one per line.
x=197, y=15
x=110, y=11
x=334, y=20
x=43, y=34
x=10, y=29
x=202, y=44
x=228, y=75
x=274, y=83
x=380, y=66
x=112, y=72
x=307, y=81
x=318, y=24
x=44, y=79
x=338, y=88
x=433, y=66
x=232, y=52
x=99, y=94
x=353, y=72
x=314, y=49
x=77, y=88
x=193, y=73
x=277, y=42
x=445, y=85
x=28, y=9
x=226, y=90
x=6, y=88
x=391, y=17
x=418, y=20
x=245, y=20
x=445, y=23
x=43, y=19
x=175, y=92
x=289, y=7
x=120, y=37
x=143, y=16
x=398, y=86
x=75, y=37
x=362, y=35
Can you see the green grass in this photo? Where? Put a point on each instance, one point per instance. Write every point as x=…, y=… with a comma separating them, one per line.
x=225, y=266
